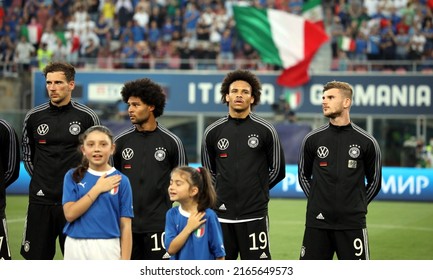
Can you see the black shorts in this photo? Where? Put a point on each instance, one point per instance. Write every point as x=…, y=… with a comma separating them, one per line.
x=149, y=246
x=44, y=223
x=250, y=240
x=322, y=244
x=5, y=252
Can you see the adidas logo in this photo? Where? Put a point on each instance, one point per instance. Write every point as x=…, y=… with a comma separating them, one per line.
x=320, y=217
x=222, y=207
x=166, y=256
x=263, y=256
x=40, y=193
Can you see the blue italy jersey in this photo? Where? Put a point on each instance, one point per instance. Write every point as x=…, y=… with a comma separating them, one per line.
x=205, y=243
x=102, y=219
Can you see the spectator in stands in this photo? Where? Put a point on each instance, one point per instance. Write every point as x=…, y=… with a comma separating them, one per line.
x=427, y=31
x=44, y=55
x=336, y=31
x=402, y=41
x=124, y=11
x=388, y=47
x=417, y=42
x=104, y=59
x=154, y=34
x=185, y=55
x=203, y=30
x=60, y=51
x=141, y=16
x=125, y=32
x=90, y=51
x=190, y=19
x=167, y=30
x=89, y=44
x=115, y=35
x=63, y=6
x=93, y=9
x=360, y=53
x=43, y=14
x=108, y=11
x=144, y=55
x=73, y=46
x=138, y=32
x=226, y=50
x=24, y=52
x=7, y=55
x=160, y=53
x=49, y=37
x=79, y=12
x=157, y=14
x=102, y=28
x=373, y=45
x=250, y=57
x=129, y=54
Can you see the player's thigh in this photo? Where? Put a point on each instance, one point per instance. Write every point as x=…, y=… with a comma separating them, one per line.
x=149, y=246
x=254, y=240
x=317, y=244
x=39, y=239
x=352, y=244
x=230, y=241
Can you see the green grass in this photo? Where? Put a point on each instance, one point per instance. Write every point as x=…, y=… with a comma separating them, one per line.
x=397, y=230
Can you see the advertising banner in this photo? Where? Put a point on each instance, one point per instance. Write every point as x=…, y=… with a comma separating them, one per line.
x=403, y=184
x=198, y=92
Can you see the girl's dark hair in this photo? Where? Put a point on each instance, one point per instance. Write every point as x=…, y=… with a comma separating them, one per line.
x=149, y=92
x=201, y=178
x=242, y=75
x=64, y=67
x=81, y=169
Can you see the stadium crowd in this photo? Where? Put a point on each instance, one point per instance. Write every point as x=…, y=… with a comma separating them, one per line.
x=182, y=34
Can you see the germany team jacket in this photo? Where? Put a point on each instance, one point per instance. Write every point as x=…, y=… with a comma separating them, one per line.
x=246, y=160
x=340, y=172
x=50, y=147
x=148, y=158
x=9, y=161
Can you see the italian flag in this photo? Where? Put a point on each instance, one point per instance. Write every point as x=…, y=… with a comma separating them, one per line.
x=312, y=10
x=33, y=33
x=281, y=39
x=345, y=43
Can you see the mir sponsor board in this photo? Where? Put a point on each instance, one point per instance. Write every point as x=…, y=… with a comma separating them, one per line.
x=403, y=184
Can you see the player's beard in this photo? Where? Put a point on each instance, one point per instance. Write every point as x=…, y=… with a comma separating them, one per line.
x=140, y=121
x=333, y=115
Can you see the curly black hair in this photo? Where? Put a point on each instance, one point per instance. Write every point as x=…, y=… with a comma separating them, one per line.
x=242, y=75
x=149, y=93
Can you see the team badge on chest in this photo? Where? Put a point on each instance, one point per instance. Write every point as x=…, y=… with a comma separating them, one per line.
x=354, y=151
x=74, y=128
x=160, y=153
x=253, y=140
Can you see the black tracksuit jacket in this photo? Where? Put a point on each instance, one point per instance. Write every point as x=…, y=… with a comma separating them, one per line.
x=340, y=172
x=9, y=161
x=148, y=158
x=246, y=160
x=50, y=147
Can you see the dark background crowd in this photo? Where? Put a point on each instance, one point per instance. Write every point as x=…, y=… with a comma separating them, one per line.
x=181, y=34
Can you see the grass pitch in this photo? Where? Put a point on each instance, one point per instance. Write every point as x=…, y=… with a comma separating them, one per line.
x=397, y=230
